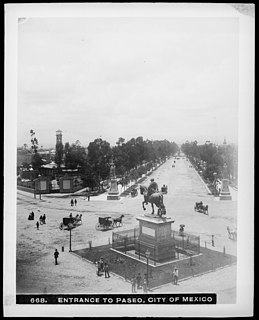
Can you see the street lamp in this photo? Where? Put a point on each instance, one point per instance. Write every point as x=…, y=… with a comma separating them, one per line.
x=39, y=185
x=70, y=236
x=147, y=256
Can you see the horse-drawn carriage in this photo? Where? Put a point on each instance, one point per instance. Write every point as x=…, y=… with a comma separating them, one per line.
x=104, y=223
x=164, y=189
x=201, y=208
x=71, y=222
x=134, y=192
x=108, y=223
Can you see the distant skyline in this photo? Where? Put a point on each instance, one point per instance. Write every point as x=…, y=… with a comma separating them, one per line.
x=159, y=78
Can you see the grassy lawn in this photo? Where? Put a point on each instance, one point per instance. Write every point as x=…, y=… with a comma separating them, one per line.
x=127, y=267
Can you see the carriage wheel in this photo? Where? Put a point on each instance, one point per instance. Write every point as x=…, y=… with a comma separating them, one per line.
x=98, y=226
x=61, y=226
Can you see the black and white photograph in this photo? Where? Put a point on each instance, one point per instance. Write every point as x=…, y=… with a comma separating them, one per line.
x=129, y=159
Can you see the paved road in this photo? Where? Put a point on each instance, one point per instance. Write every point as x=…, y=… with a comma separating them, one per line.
x=37, y=273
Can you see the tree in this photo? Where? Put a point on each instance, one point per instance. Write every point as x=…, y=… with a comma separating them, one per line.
x=36, y=159
x=99, y=156
x=75, y=156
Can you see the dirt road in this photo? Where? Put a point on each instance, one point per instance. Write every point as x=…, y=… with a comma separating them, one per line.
x=37, y=273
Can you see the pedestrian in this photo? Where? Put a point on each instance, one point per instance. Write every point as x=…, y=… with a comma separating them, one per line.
x=75, y=202
x=44, y=218
x=101, y=264
x=88, y=196
x=98, y=268
x=175, y=276
x=145, y=285
x=37, y=225
x=138, y=281
x=56, y=254
x=72, y=202
x=106, y=270
x=212, y=241
x=133, y=283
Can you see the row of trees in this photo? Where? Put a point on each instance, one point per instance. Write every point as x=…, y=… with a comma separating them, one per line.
x=215, y=161
x=132, y=158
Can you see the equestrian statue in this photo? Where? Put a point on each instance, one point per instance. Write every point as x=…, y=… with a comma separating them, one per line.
x=153, y=196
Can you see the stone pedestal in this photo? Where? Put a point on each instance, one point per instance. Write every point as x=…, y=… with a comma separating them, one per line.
x=42, y=185
x=66, y=184
x=225, y=193
x=155, y=236
x=113, y=194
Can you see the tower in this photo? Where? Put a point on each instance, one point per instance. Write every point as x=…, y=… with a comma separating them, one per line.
x=59, y=148
x=59, y=137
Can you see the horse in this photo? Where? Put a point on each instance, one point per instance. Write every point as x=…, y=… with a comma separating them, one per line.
x=232, y=234
x=118, y=220
x=155, y=198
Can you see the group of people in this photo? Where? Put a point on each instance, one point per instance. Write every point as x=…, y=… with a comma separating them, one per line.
x=42, y=220
x=102, y=267
x=139, y=283
x=73, y=202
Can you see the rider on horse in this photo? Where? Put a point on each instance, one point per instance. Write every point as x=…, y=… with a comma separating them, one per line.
x=152, y=188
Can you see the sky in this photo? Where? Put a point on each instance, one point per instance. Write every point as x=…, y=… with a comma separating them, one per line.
x=159, y=78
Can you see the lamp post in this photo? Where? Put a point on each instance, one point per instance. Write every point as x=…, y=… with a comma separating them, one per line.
x=39, y=185
x=147, y=256
x=70, y=227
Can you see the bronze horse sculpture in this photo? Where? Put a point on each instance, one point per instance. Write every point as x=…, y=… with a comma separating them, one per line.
x=155, y=198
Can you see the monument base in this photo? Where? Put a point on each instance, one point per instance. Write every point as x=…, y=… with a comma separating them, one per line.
x=225, y=193
x=113, y=194
x=225, y=196
x=113, y=197
x=155, y=237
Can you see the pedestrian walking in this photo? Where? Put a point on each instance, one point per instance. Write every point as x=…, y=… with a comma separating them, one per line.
x=37, y=225
x=75, y=202
x=72, y=202
x=175, y=276
x=44, y=218
x=88, y=196
x=106, y=270
x=56, y=254
x=138, y=278
x=212, y=241
x=133, y=284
